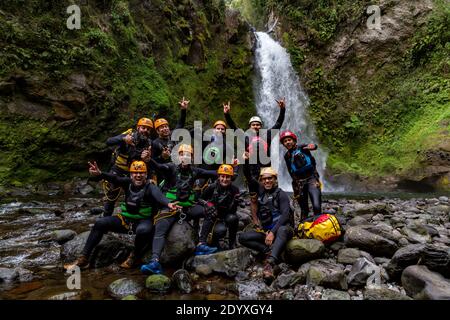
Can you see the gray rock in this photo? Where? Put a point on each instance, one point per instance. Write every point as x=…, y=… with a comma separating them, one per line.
x=302, y=250
x=250, y=290
x=377, y=245
x=124, y=287
x=384, y=230
x=415, y=237
x=180, y=244
x=108, y=251
x=357, y=221
x=361, y=271
x=85, y=189
x=371, y=208
x=422, y=284
x=287, y=280
x=157, y=283
x=436, y=258
x=439, y=210
x=383, y=294
x=381, y=260
x=443, y=199
x=62, y=236
x=326, y=273
x=67, y=296
x=378, y=217
x=336, y=246
x=182, y=280
x=228, y=262
x=331, y=294
x=403, y=242
x=287, y=295
x=350, y=255
x=10, y=275
x=203, y=270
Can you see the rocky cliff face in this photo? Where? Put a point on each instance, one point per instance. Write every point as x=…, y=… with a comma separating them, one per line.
x=63, y=92
x=379, y=97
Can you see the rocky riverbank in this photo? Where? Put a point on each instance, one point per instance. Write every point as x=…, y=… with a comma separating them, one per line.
x=391, y=249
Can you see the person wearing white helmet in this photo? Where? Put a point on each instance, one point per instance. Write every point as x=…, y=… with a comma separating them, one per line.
x=253, y=143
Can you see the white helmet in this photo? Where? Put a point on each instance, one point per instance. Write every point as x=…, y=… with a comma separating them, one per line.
x=255, y=119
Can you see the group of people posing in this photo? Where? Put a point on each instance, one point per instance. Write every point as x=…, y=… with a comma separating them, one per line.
x=157, y=191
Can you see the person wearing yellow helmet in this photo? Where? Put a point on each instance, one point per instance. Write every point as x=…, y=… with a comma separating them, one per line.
x=274, y=220
x=219, y=201
x=162, y=146
x=142, y=202
x=254, y=142
x=129, y=146
x=178, y=186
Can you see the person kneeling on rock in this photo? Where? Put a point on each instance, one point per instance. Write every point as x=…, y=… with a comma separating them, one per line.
x=142, y=199
x=275, y=221
x=220, y=204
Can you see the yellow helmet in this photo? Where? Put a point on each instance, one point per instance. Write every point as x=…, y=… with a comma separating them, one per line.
x=225, y=169
x=145, y=122
x=138, y=166
x=159, y=122
x=219, y=122
x=268, y=171
x=185, y=148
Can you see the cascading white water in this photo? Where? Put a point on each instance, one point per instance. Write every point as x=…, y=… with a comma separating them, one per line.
x=275, y=79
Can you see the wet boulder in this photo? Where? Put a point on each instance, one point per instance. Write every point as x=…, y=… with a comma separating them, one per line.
x=422, y=284
x=180, y=244
x=332, y=294
x=158, y=283
x=124, y=287
x=228, y=262
x=182, y=281
x=325, y=273
x=299, y=251
x=11, y=275
x=383, y=293
x=365, y=240
x=350, y=255
x=109, y=250
x=62, y=236
x=287, y=280
x=436, y=258
x=362, y=269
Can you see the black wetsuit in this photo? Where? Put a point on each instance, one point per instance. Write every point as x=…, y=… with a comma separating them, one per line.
x=253, y=143
x=178, y=186
x=124, y=155
x=275, y=215
x=305, y=178
x=224, y=203
x=141, y=204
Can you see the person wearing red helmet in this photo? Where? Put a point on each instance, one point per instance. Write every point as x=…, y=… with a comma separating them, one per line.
x=301, y=166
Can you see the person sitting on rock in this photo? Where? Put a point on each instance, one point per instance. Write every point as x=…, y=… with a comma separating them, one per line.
x=142, y=200
x=275, y=221
x=301, y=166
x=255, y=142
x=178, y=187
x=130, y=147
x=220, y=204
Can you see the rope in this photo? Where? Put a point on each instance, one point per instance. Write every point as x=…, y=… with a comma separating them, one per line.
x=107, y=189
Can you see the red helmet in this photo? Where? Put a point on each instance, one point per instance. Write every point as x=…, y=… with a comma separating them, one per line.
x=286, y=134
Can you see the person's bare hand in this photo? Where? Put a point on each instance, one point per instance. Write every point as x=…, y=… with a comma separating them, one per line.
x=281, y=103
x=226, y=107
x=94, y=169
x=184, y=104
x=165, y=153
x=269, y=238
x=129, y=139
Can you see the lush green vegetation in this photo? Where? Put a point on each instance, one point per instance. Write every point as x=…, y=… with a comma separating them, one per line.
x=138, y=59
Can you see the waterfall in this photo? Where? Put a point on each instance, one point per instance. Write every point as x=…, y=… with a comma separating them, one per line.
x=275, y=78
